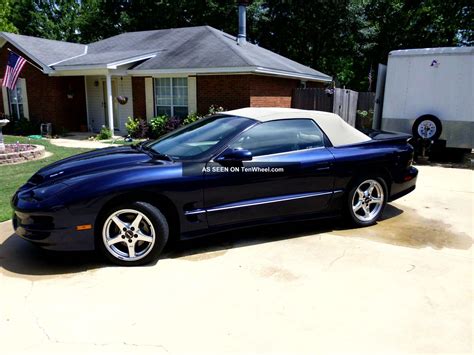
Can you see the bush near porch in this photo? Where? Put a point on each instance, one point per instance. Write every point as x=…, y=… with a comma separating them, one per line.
x=161, y=125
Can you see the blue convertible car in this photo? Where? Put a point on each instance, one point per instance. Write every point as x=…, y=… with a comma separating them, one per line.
x=234, y=169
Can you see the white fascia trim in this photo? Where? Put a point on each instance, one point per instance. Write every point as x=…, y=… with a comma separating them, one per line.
x=66, y=68
x=90, y=72
x=235, y=70
x=80, y=72
x=76, y=56
x=46, y=69
x=114, y=65
x=190, y=71
x=293, y=75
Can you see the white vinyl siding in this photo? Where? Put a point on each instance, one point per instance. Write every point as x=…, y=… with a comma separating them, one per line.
x=124, y=88
x=95, y=108
x=171, y=96
x=96, y=101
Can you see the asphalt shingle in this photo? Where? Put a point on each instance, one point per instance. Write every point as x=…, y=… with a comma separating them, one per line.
x=46, y=51
x=177, y=48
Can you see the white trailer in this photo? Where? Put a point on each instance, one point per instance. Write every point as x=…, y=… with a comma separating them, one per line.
x=429, y=93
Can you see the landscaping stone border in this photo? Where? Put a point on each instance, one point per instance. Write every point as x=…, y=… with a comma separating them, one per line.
x=37, y=152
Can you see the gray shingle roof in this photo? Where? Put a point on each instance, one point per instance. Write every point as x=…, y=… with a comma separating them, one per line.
x=45, y=51
x=201, y=47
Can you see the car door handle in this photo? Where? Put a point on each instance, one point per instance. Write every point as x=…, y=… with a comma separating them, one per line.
x=322, y=168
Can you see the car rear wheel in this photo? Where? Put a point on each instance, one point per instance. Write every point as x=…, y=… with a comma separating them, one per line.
x=132, y=234
x=366, y=201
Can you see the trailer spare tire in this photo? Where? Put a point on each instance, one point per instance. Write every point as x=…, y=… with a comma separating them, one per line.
x=427, y=127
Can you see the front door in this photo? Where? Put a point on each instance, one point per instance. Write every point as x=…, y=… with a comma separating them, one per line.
x=114, y=103
x=290, y=174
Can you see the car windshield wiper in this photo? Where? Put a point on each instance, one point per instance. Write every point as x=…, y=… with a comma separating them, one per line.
x=138, y=146
x=155, y=153
x=142, y=147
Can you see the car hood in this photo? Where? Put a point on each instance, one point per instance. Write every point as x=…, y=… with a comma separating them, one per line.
x=96, y=161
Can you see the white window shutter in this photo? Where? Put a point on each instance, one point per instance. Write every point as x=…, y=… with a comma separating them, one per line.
x=6, y=105
x=192, y=94
x=24, y=95
x=149, y=99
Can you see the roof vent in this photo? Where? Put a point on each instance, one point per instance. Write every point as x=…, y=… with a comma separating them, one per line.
x=242, y=36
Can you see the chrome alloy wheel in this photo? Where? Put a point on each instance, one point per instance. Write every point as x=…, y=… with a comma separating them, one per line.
x=368, y=200
x=128, y=235
x=427, y=129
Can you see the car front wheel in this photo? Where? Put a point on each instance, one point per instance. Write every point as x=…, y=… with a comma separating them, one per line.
x=132, y=234
x=366, y=201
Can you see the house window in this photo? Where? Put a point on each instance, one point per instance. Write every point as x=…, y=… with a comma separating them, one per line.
x=171, y=96
x=15, y=100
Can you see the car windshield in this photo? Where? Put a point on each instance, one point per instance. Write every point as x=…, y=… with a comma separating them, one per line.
x=199, y=138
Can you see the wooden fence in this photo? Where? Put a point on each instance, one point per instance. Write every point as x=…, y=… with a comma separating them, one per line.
x=312, y=99
x=344, y=102
x=366, y=101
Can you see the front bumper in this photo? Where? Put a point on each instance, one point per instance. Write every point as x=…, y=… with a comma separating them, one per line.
x=403, y=184
x=52, y=230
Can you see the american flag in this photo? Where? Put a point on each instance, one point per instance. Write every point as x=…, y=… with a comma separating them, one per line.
x=14, y=66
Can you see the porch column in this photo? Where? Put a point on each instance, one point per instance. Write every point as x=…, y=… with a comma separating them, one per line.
x=110, y=104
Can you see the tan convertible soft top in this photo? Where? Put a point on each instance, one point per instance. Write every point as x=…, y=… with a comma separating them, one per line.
x=338, y=131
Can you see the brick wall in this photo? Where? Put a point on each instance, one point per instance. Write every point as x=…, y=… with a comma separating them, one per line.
x=228, y=91
x=47, y=96
x=271, y=91
x=139, y=104
x=237, y=91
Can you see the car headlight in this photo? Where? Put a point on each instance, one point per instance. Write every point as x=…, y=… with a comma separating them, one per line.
x=45, y=192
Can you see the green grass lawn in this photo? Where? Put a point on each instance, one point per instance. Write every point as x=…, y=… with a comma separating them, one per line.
x=13, y=176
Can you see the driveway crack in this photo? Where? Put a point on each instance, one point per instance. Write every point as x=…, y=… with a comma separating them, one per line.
x=338, y=258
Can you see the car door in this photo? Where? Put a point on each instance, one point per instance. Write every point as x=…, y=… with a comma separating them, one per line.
x=290, y=174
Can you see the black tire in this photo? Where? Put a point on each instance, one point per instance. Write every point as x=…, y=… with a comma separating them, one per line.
x=150, y=250
x=433, y=122
x=354, y=218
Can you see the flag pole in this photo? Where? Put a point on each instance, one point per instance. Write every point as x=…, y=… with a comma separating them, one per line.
x=32, y=64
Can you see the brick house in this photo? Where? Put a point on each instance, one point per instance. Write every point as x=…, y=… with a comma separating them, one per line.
x=144, y=74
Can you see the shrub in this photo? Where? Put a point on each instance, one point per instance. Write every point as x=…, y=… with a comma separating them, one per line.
x=132, y=125
x=364, y=119
x=137, y=127
x=215, y=109
x=192, y=117
x=157, y=126
x=105, y=133
x=21, y=127
x=172, y=123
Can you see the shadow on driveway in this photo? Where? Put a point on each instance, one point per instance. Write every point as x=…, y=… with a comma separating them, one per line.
x=398, y=227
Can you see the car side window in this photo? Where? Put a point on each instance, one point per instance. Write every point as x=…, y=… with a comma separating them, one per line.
x=280, y=136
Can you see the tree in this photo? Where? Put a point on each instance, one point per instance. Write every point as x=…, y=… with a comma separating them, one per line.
x=401, y=24
x=343, y=38
x=5, y=23
x=52, y=19
x=101, y=19
x=322, y=34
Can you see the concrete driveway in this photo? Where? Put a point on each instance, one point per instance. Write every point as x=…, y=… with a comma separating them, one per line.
x=402, y=286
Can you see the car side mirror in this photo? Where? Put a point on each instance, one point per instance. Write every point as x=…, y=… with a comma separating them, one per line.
x=230, y=155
